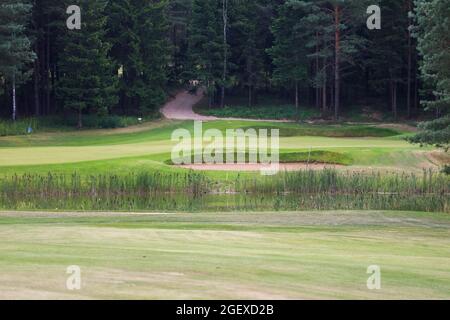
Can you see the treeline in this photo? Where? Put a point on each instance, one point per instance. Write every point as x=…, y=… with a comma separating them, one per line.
x=128, y=53
x=116, y=64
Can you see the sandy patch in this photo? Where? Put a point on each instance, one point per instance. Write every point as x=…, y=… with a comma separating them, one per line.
x=398, y=126
x=181, y=108
x=258, y=167
x=439, y=157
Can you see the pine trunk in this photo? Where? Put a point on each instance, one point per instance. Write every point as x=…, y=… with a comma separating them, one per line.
x=14, y=105
x=80, y=119
x=337, y=81
x=36, y=88
x=416, y=89
x=225, y=51
x=210, y=102
x=324, y=89
x=408, y=98
x=317, y=71
x=47, y=65
x=297, y=107
x=394, y=99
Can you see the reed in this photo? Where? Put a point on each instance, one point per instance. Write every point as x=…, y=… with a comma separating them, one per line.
x=330, y=181
x=191, y=191
x=54, y=185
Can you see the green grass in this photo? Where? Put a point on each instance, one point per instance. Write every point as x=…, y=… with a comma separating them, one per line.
x=336, y=131
x=160, y=131
x=272, y=112
x=303, y=255
x=147, y=147
x=66, y=123
x=266, y=107
x=248, y=255
x=150, y=143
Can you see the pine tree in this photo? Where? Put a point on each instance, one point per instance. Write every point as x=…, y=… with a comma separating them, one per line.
x=250, y=26
x=206, y=46
x=289, y=52
x=389, y=44
x=16, y=55
x=48, y=29
x=154, y=49
x=123, y=26
x=433, y=23
x=138, y=32
x=87, y=79
x=340, y=20
x=433, y=39
x=179, y=13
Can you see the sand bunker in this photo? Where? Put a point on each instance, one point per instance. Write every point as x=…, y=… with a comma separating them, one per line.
x=258, y=167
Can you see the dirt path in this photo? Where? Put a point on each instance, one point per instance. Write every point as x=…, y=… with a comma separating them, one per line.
x=180, y=108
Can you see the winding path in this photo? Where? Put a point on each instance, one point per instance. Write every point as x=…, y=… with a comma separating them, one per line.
x=180, y=108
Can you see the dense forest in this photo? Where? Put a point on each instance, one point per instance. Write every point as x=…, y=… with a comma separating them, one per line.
x=130, y=54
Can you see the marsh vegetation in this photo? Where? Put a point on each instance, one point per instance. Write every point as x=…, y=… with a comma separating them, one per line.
x=303, y=190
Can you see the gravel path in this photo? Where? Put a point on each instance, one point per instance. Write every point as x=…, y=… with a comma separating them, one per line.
x=180, y=108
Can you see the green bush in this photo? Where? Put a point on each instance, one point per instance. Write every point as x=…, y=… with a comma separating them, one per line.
x=446, y=169
x=101, y=122
x=60, y=123
x=278, y=112
x=19, y=127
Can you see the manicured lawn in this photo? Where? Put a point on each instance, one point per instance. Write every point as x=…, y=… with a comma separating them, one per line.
x=223, y=256
x=218, y=255
x=148, y=147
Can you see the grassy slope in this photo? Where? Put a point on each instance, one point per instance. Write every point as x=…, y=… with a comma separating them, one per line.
x=201, y=256
x=148, y=146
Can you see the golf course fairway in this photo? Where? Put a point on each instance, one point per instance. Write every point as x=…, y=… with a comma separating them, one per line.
x=267, y=255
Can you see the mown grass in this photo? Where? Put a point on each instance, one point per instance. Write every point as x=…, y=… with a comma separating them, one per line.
x=164, y=132
x=149, y=146
x=301, y=255
x=339, y=131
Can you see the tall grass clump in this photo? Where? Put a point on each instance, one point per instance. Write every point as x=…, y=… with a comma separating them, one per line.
x=142, y=183
x=191, y=191
x=330, y=181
